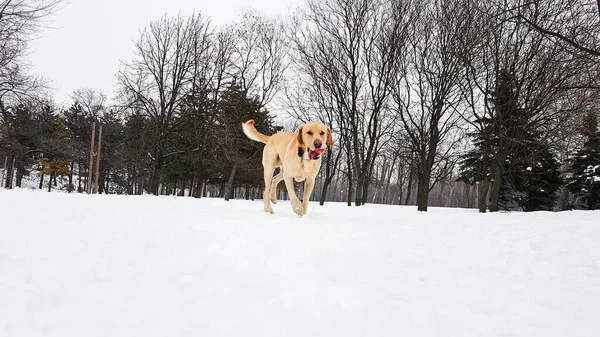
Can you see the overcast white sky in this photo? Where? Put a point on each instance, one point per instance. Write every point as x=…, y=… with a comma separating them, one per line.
x=90, y=37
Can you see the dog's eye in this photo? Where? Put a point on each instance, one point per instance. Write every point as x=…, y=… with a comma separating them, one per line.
x=322, y=133
x=309, y=132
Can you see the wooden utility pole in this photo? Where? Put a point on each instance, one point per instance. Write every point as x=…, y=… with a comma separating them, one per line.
x=98, y=160
x=89, y=185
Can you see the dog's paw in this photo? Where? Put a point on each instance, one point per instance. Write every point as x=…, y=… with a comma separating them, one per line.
x=298, y=208
x=269, y=210
x=274, y=200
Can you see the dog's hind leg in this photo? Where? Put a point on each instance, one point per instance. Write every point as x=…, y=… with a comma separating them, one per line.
x=268, y=186
x=276, y=180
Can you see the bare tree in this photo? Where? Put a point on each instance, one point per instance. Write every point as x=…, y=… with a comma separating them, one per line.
x=349, y=54
x=258, y=59
x=19, y=21
x=159, y=78
x=92, y=101
x=428, y=97
x=574, y=23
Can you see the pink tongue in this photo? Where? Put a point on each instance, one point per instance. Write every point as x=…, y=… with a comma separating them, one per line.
x=315, y=153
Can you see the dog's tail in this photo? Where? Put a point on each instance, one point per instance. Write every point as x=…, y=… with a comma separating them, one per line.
x=252, y=133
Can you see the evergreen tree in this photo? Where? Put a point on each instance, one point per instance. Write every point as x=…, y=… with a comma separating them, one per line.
x=534, y=178
x=231, y=147
x=584, y=181
x=134, y=154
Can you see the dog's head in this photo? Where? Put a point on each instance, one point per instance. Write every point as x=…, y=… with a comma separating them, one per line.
x=314, y=136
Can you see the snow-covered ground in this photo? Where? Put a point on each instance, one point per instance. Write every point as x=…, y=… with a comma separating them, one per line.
x=78, y=265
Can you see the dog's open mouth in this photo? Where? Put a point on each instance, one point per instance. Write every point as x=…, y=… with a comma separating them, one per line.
x=314, y=154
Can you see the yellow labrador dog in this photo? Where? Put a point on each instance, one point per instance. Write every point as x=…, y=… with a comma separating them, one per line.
x=298, y=155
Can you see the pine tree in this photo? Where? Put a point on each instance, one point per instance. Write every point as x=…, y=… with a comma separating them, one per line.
x=235, y=151
x=584, y=181
x=534, y=179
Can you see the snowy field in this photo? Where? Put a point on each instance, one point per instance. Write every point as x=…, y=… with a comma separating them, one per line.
x=78, y=265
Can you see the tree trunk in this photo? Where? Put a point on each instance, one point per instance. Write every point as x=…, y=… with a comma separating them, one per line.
x=423, y=190
x=228, y=187
x=154, y=185
x=11, y=172
x=20, y=172
x=79, y=190
x=358, y=190
x=41, y=184
x=101, y=183
x=70, y=187
x=182, y=192
x=349, y=196
x=50, y=182
x=107, y=181
x=198, y=189
x=191, y=191
x=365, y=187
x=328, y=178
x=482, y=193
x=495, y=192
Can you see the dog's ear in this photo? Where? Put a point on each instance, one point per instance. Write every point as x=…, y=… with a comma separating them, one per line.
x=299, y=138
x=329, y=141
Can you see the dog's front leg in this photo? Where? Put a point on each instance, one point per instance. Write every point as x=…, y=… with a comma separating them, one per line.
x=296, y=203
x=309, y=185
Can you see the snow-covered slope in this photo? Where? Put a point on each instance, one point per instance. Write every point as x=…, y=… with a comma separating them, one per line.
x=78, y=265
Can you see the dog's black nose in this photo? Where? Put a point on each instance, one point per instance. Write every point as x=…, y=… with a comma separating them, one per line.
x=318, y=144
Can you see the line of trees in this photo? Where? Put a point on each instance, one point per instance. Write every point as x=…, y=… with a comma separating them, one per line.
x=470, y=103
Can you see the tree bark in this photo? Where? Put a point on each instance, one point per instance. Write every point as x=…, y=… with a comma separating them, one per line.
x=50, y=182
x=423, y=190
x=198, y=189
x=228, y=187
x=409, y=187
x=192, y=190
x=20, y=172
x=358, y=189
x=79, y=190
x=9, y=177
x=482, y=193
x=71, y=186
x=156, y=175
x=349, y=196
x=328, y=177
x=365, y=188
x=495, y=191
